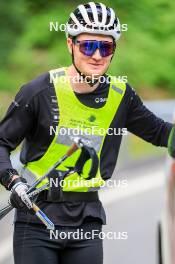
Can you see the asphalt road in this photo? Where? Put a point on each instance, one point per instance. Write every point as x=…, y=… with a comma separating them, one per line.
x=138, y=216
x=134, y=209
x=6, y=232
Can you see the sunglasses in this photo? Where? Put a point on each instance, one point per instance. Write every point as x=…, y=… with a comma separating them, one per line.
x=88, y=47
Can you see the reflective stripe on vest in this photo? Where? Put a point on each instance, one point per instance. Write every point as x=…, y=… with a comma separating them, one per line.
x=76, y=119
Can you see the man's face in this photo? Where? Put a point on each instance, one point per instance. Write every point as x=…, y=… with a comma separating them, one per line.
x=90, y=65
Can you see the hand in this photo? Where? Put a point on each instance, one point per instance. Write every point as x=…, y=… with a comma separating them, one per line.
x=171, y=143
x=19, y=198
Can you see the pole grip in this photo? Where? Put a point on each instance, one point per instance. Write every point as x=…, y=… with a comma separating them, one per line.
x=72, y=150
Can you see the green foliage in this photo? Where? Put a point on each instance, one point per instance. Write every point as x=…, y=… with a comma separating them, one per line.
x=145, y=53
x=12, y=25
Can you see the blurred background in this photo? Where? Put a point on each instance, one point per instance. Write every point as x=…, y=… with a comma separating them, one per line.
x=145, y=54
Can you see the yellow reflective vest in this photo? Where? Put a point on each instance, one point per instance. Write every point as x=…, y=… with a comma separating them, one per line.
x=76, y=119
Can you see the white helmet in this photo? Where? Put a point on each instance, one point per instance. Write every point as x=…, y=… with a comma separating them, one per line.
x=94, y=18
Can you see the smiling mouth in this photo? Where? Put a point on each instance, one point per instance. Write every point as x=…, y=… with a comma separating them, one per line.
x=93, y=64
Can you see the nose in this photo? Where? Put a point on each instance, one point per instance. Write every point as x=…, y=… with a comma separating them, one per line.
x=96, y=55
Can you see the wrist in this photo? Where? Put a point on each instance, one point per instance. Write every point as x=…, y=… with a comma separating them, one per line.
x=12, y=180
x=17, y=181
x=8, y=176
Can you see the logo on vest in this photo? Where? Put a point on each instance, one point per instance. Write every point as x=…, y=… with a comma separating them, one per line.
x=100, y=100
x=92, y=118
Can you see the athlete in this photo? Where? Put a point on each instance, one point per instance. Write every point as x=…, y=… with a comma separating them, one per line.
x=42, y=114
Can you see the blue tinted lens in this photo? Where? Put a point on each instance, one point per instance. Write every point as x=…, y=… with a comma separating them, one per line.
x=88, y=47
x=106, y=48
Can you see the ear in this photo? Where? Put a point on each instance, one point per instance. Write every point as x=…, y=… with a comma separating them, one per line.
x=69, y=45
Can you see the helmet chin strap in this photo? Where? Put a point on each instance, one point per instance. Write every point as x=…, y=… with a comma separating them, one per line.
x=90, y=82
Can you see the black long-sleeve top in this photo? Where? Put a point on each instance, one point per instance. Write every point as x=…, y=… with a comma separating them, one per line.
x=35, y=109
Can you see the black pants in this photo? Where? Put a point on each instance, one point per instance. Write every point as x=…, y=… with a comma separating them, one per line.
x=66, y=245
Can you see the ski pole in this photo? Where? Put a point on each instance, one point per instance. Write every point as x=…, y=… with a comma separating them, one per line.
x=43, y=217
x=4, y=211
x=73, y=148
